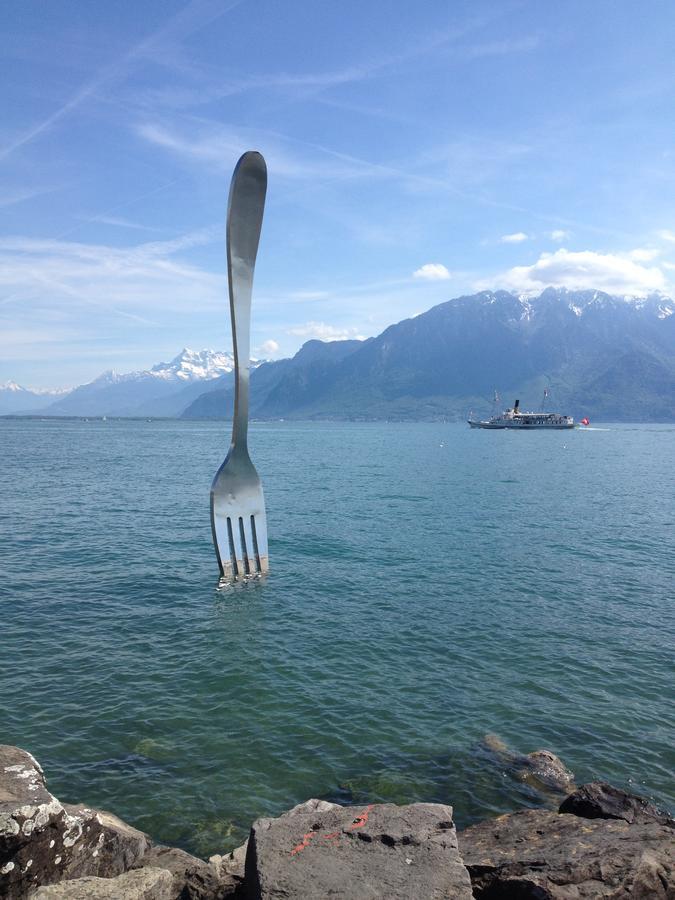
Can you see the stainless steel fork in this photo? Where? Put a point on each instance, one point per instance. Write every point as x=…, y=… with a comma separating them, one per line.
x=238, y=519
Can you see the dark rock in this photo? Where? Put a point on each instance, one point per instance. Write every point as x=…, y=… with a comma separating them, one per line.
x=118, y=845
x=373, y=852
x=599, y=800
x=193, y=879
x=43, y=841
x=141, y=884
x=543, y=855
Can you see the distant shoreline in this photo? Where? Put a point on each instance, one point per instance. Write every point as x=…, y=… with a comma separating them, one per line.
x=293, y=419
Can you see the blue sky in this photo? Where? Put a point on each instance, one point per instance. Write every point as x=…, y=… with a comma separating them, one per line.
x=415, y=152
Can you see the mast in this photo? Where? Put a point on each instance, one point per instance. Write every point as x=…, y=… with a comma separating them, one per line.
x=543, y=402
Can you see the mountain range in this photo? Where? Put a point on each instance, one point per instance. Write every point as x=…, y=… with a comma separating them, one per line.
x=17, y=399
x=599, y=355
x=165, y=390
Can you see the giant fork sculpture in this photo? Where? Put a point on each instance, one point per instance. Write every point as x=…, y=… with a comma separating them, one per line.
x=238, y=519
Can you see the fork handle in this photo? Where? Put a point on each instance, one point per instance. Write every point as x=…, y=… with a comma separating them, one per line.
x=244, y=220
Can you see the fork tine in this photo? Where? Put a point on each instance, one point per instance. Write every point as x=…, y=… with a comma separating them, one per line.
x=236, y=550
x=259, y=530
x=253, y=545
x=247, y=541
x=248, y=564
x=221, y=542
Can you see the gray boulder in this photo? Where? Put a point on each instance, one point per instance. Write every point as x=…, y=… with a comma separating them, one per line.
x=543, y=855
x=142, y=884
x=230, y=869
x=232, y=864
x=43, y=841
x=599, y=800
x=192, y=878
x=373, y=852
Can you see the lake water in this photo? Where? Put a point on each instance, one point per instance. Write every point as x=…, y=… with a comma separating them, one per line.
x=430, y=584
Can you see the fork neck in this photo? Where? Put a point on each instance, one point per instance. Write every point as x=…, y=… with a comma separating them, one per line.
x=240, y=310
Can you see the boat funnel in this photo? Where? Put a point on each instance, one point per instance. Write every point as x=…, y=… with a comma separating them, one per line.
x=516, y=405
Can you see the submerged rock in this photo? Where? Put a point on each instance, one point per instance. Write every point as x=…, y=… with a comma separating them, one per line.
x=541, y=769
x=373, y=852
x=544, y=769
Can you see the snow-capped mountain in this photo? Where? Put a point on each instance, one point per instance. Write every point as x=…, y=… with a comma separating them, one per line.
x=189, y=365
x=608, y=357
x=17, y=399
x=164, y=390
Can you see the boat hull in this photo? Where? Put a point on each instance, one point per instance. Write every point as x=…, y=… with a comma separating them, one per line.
x=522, y=426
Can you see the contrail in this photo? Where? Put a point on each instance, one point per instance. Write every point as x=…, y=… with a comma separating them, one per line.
x=196, y=15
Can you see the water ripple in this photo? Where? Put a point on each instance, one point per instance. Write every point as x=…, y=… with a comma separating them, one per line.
x=432, y=585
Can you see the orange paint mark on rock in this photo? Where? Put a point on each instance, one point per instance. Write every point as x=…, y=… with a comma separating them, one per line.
x=358, y=822
x=361, y=819
x=306, y=838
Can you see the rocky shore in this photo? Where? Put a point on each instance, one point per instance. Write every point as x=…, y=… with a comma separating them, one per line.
x=602, y=842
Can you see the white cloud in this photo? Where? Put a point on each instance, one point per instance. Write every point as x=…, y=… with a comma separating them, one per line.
x=119, y=222
x=204, y=88
x=585, y=269
x=323, y=332
x=559, y=234
x=219, y=145
x=66, y=305
x=501, y=48
x=143, y=276
x=517, y=238
x=269, y=348
x=643, y=254
x=8, y=197
x=432, y=272
x=666, y=235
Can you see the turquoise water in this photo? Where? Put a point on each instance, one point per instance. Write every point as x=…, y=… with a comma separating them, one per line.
x=430, y=584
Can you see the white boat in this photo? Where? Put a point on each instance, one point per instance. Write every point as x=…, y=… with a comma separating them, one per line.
x=514, y=418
